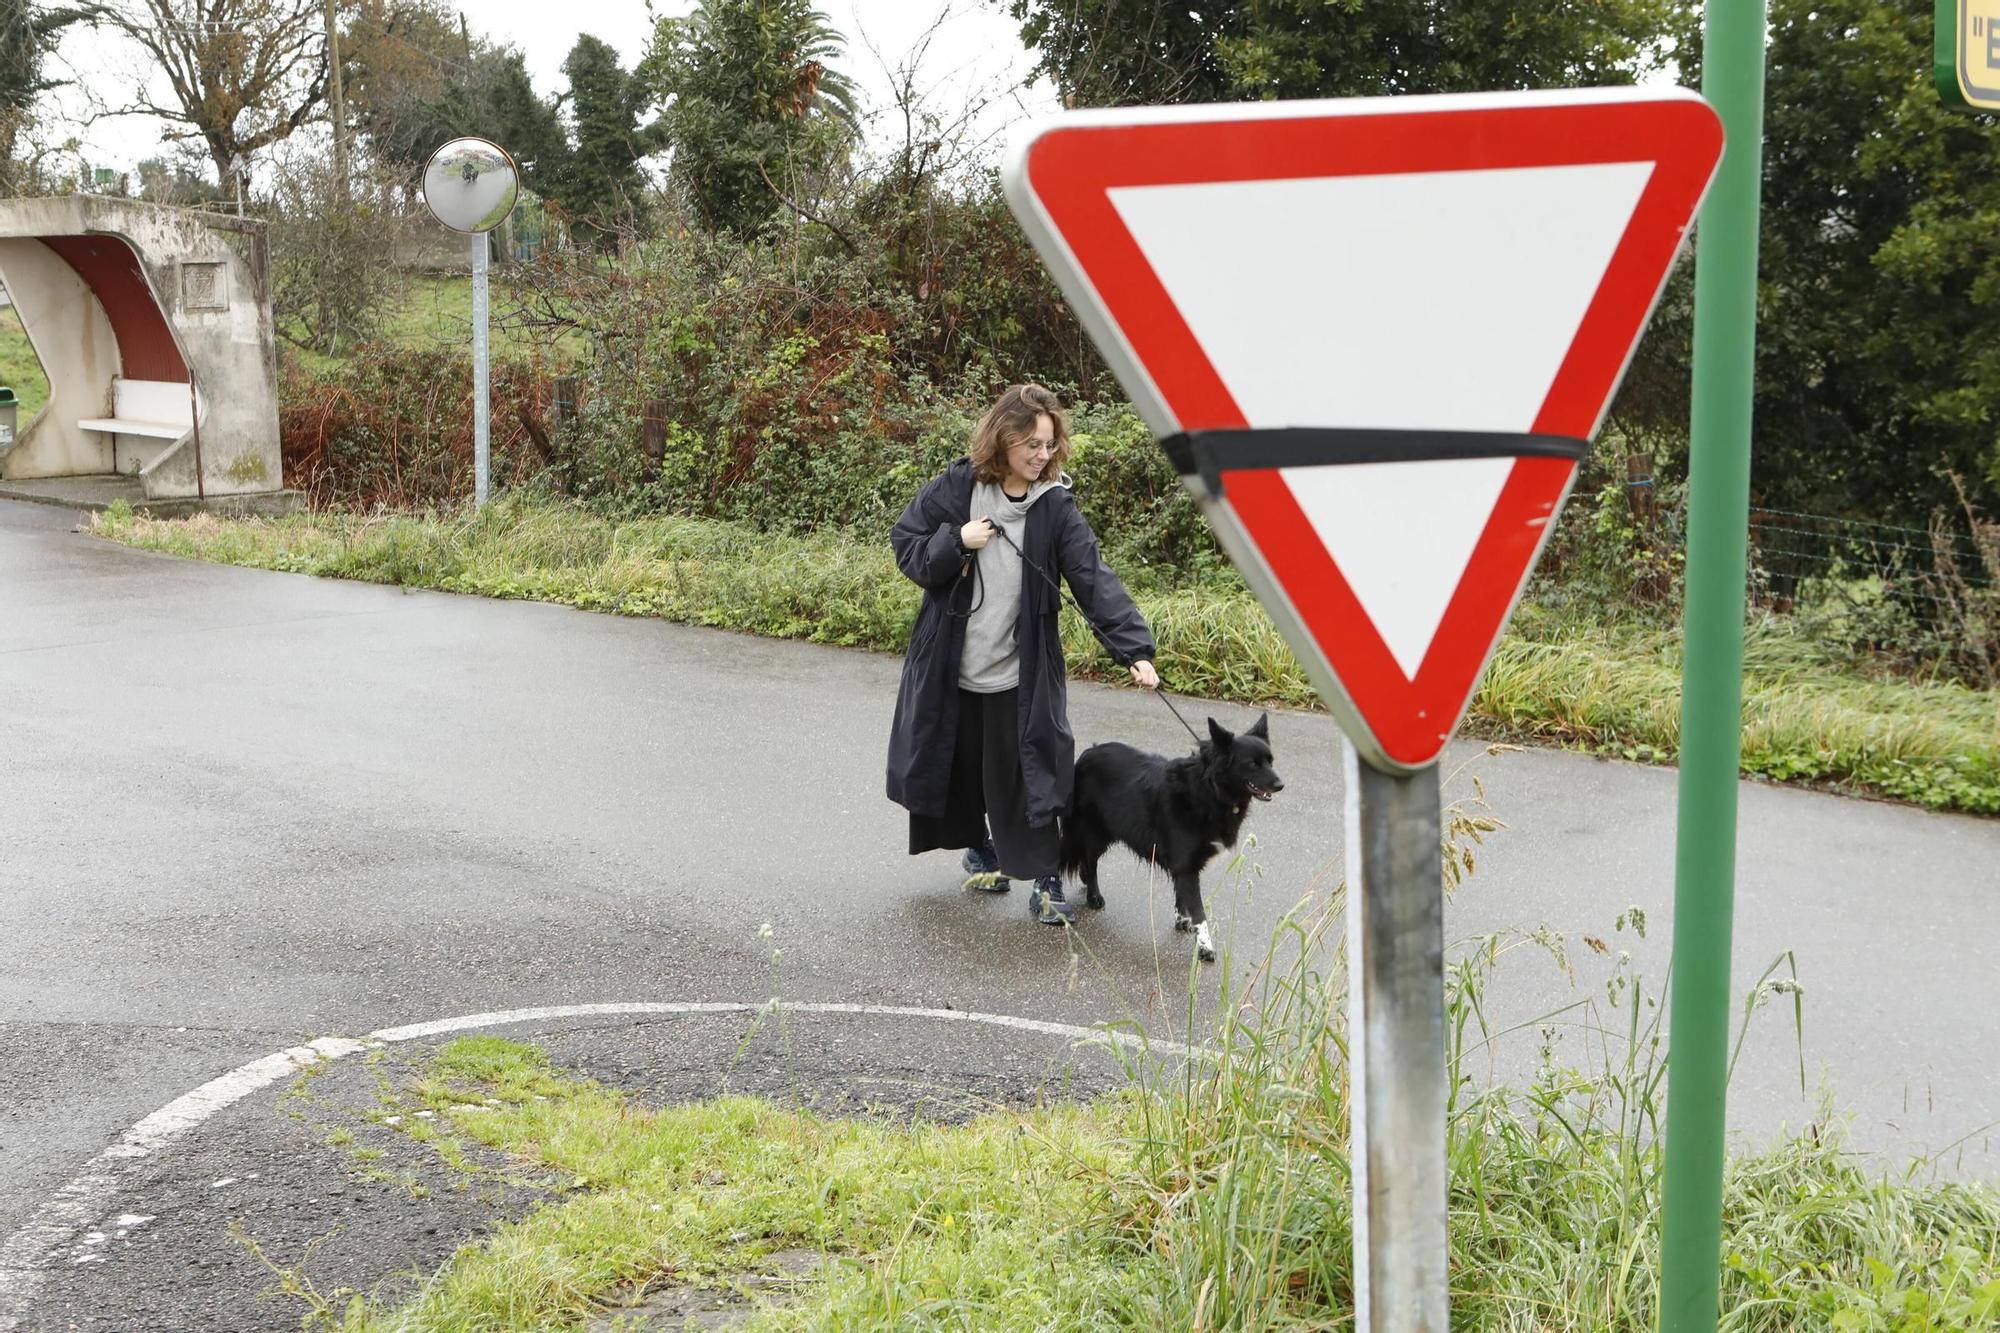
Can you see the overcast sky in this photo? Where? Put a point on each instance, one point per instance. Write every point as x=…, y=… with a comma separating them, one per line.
x=976, y=54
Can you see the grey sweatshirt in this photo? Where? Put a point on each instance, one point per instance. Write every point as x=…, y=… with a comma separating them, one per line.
x=992, y=659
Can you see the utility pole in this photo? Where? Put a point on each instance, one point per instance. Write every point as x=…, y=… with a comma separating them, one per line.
x=339, y=107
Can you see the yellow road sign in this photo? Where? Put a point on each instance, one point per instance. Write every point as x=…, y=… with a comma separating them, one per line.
x=1968, y=53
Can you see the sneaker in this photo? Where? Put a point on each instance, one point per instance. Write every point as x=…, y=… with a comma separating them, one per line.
x=982, y=870
x=1046, y=901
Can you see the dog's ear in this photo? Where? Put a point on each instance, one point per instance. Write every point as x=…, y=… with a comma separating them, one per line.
x=1221, y=737
x=1261, y=728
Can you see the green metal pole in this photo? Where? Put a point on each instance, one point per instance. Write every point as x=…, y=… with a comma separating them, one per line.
x=1725, y=342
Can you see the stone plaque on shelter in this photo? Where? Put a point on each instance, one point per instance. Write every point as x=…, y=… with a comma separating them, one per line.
x=204, y=286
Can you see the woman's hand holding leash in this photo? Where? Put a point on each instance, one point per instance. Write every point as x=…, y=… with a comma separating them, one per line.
x=1144, y=675
x=976, y=534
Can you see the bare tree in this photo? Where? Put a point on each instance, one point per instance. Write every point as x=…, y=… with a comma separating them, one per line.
x=332, y=272
x=943, y=126
x=245, y=73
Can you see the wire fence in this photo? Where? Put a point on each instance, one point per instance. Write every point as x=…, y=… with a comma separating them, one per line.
x=1796, y=557
x=1921, y=599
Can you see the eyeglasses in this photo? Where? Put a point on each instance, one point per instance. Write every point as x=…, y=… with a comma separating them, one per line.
x=1036, y=446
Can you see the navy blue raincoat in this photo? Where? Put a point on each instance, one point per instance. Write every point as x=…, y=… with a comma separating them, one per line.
x=1058, y=540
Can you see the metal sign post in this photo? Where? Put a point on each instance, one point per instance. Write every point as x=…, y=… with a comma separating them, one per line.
x=1396, y=1069
x=1375, y=337
x=471, y=185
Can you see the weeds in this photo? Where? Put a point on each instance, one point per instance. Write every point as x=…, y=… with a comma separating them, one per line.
x=1969, y=598
x=324, y=1310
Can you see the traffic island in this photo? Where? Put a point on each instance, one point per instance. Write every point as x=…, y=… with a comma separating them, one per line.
x=362, y=1175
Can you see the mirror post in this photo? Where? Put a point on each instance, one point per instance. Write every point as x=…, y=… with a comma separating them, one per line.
x=471, y=185
x=482, y=407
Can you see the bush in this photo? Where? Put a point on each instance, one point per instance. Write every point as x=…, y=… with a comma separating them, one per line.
x=1616, y=552
x=983, y=309
x=725, y=384
x=811, y=386
x=330, y=273
x=721, y=385
x=1150, y=526
x=393, y=427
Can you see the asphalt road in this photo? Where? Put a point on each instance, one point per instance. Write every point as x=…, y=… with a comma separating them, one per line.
x=238, y=808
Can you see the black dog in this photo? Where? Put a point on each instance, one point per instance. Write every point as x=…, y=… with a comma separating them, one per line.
x=1175, y=813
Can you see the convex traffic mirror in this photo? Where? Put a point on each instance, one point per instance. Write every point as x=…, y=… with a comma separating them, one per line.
x=471, y=185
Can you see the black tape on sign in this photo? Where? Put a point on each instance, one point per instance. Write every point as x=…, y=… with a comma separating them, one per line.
x=1210, y=453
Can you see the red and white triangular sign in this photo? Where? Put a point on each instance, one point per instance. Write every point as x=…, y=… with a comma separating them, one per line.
x=1371, y=327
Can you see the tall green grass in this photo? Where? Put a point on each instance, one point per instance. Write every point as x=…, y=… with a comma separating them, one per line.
x=1615, y=688
x=1608, y=688
x=1555, y=1186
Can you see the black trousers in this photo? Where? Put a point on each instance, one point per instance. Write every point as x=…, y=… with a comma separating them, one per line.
x=987, y=790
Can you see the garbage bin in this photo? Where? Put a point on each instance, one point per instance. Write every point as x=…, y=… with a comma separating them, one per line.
x=9, y=406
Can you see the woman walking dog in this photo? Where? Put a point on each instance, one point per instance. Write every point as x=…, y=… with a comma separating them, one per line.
x=980, y=752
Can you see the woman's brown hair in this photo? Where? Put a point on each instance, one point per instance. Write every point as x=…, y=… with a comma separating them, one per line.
x=1010, y=420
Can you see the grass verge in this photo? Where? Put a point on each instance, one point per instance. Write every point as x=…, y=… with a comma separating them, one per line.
x=20, y=369
x=1611, y=689
x=435, y=309
x=1210, y=1197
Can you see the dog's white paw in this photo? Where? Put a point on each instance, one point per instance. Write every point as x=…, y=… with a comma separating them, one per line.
x=1204, y=946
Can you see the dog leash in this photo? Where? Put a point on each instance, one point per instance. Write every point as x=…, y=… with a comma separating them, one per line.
x=1063, y=592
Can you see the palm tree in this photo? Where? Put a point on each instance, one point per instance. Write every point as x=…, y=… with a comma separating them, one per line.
x=756, y=114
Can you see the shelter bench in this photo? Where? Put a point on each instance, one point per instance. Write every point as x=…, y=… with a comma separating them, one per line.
x=150, y=413
x=161, y=409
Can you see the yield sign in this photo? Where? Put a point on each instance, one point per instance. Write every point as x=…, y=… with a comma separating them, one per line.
x=1376, y=336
